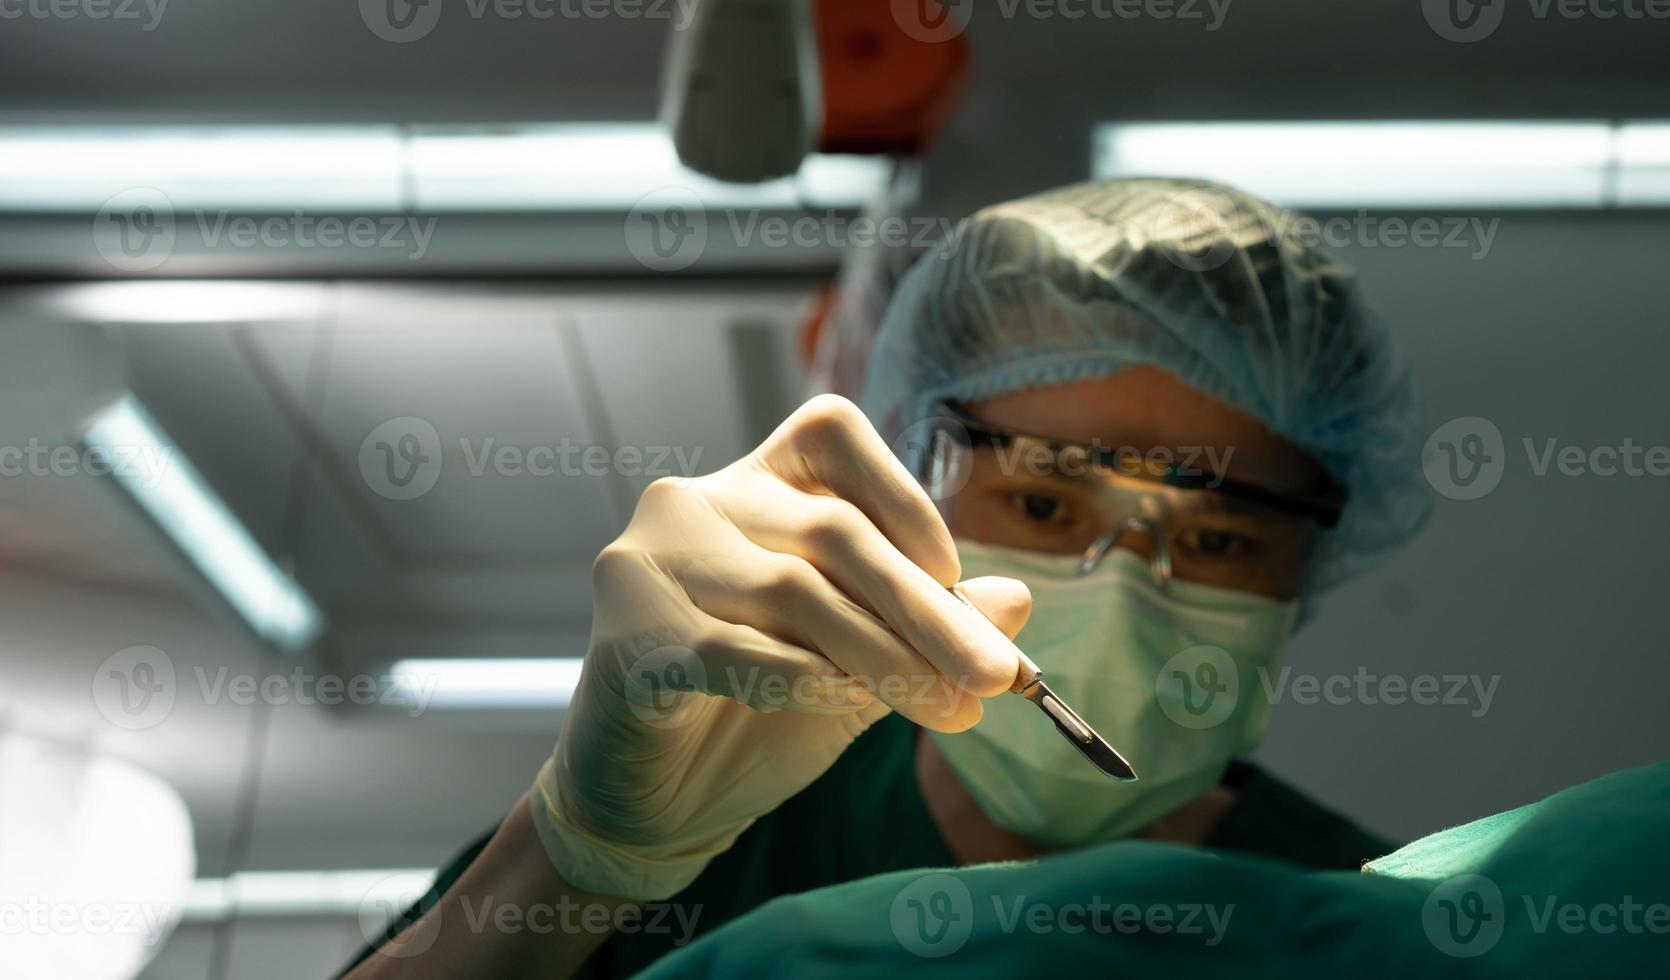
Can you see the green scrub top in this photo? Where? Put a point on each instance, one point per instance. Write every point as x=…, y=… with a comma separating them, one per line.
x=866, y=816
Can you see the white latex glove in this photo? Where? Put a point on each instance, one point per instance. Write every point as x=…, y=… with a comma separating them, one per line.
x=748, y=625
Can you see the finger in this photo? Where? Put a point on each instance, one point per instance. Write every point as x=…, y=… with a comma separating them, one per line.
x=788, y=598
x=696, y=652
x=841, y=543
x=1005, y=601
x=770, y=674
x=828, y=446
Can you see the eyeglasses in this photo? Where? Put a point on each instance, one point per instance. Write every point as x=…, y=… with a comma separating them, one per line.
x=1192, y=524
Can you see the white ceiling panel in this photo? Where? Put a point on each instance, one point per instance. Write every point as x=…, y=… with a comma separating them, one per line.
x=666, y=369
x=495, y=394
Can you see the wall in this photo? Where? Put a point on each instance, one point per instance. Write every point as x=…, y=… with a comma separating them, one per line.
x=1552, y=584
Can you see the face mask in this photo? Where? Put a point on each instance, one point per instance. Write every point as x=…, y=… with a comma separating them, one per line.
x=1171, y=680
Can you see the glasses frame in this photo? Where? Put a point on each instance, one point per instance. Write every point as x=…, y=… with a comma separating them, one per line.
x=1322, y=507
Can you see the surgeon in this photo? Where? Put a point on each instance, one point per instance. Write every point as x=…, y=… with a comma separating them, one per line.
x=1136, y=425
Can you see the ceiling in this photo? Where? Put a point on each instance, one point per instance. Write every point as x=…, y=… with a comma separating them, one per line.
x=1040, y=85
x=549, y=411
x=488, y=60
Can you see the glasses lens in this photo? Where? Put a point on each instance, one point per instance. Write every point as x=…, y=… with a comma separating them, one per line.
x=1030, y=493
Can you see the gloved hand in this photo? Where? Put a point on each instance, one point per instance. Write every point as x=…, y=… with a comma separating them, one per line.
x=747, y=626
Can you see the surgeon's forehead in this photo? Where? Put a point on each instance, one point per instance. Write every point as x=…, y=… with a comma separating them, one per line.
x=1150, y=411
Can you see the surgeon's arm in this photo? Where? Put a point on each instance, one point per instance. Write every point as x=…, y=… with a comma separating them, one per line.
x=510, y=914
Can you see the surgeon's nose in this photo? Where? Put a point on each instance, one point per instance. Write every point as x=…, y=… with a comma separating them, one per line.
x=1135, y=536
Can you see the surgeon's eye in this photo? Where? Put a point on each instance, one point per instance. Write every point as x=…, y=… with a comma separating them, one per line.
x=1038, y=507
x=1217, y=544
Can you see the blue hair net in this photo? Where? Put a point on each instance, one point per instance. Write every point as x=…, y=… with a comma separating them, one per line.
x=1197, y=278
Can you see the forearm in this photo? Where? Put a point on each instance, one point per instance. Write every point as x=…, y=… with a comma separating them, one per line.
x=510, y=914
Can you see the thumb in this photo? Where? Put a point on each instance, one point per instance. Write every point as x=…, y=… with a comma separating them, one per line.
x=1004, y=601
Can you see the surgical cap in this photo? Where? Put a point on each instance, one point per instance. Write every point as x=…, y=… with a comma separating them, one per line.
x=1196, y=278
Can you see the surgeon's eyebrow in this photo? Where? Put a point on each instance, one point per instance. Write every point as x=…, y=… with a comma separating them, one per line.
x=1224, y=503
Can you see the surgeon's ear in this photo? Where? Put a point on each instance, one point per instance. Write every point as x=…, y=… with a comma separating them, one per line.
x=1004, y=601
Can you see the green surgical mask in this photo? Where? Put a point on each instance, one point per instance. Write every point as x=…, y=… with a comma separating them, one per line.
x=1169, y=678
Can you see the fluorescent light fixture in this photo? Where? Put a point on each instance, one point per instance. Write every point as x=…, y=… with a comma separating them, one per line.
x=253, y=168
x=306, y=893
x=472, y=683
x=146, y=463
x=1644, y=164
x=1382, y=164
x=381, y=169
x=180, y=301
x=605, y=167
